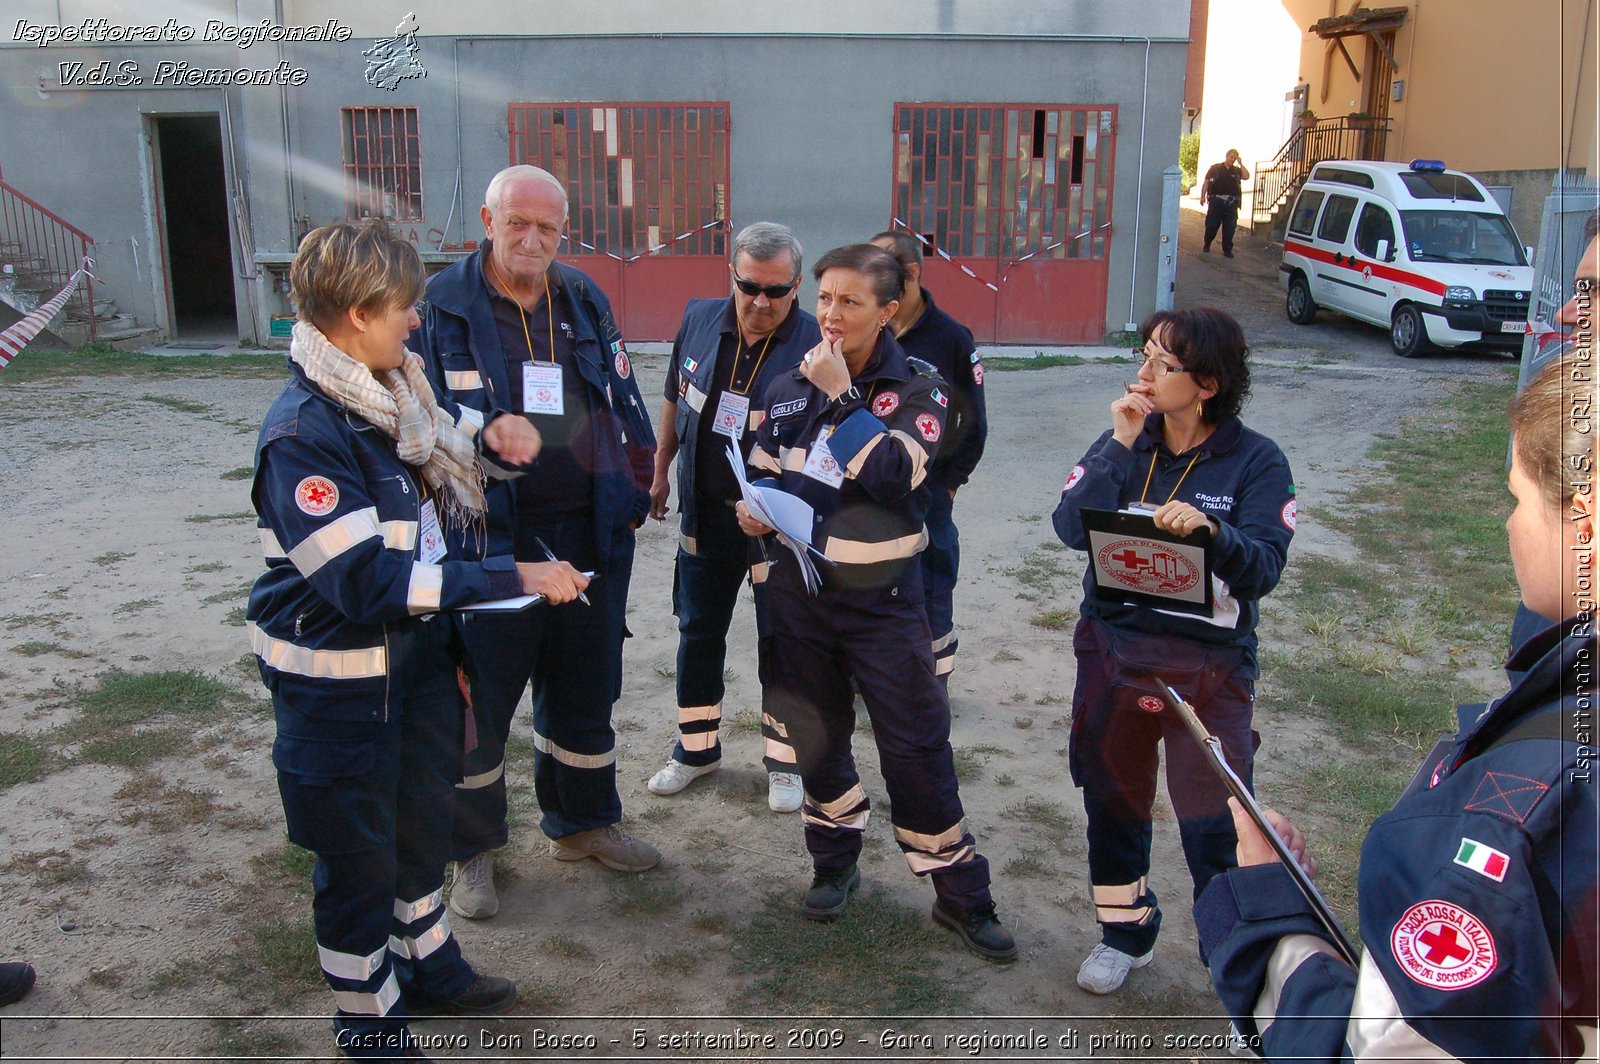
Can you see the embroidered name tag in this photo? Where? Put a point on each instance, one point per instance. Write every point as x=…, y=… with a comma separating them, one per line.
x=793, y=406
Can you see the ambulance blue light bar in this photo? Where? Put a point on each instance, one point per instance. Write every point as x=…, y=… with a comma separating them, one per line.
x=1435, y=166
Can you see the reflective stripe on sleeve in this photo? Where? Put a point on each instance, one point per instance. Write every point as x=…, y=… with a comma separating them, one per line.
x=471, y=421
x=1377, y=1030
x=285, y=656
x=943, y=641
x=377, y=1004
x=792, y=458
x=333, y=539
x=462, y=380
x=351, y=966
x=271, y=549
x=765, y=462
x=411, y=912
x=570, y=759
x=688, y=544
x=915, y=451
x=1288, y=955
x=426, y=587
x=482, y=779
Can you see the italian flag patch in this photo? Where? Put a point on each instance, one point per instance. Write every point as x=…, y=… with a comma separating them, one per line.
x=1484, y=860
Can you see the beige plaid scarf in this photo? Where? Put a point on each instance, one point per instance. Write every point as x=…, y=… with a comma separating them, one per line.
x=400, y=403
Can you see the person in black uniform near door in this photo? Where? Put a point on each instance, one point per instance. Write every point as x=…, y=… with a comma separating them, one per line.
x=1220, y=194
x=852, y=433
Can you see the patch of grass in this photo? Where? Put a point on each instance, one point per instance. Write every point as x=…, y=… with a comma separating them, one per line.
x=894, y=957
x=1005, y=779
x=1048, y=815
x=667, y=672
x=743, y=721
x=23, y=759
x=106, y=978
x=249, y=1039
x=229, y=594
x=136, y=749
x=1029, y=866
x=49, y=868
x=1055, y=620
x=677, y=962
x=712, y=923
x=207, y=567
x=234, y=618
x=1038, y=570
x=137, y=606
x=204, y=519
x=110, y=557
x=100, y=360
x=280, y=959
x=571, y=948
x=1009, y=363
x=172, y=402
x=35, y=649
x=643, y=895
x=286, y=868
x=537, y=996
x=237, y=473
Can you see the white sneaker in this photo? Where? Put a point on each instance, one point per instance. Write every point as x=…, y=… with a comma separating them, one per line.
x=1103, y=971
x=676, y=776
x=1239, y=1046
x=472, y=892
x=784, y=793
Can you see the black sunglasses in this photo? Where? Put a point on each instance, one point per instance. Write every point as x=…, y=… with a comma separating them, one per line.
x=771, y=291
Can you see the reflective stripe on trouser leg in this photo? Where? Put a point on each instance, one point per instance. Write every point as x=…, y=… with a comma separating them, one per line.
x=697, y=728
x=807, y=695
x=497, y=666
x=705, y=591
x=890, y=655
x=940, y=562
x=1123, y=903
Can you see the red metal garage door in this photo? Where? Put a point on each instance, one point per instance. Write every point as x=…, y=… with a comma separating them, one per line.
x=648, y=187
x=1021, y=196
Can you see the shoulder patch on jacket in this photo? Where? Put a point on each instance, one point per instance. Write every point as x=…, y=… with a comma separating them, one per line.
x=927, y=369
x=288, y=427
x=788, y=409
x=1511, y=797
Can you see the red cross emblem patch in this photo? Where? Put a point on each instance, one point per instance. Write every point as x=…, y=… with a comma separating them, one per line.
x=928, y=425
x=1148, y=566
x=1443, y=946
x=623, y=366
x=886, y=404
x=316, y=496
x=1073, y=478
x=1150, y=704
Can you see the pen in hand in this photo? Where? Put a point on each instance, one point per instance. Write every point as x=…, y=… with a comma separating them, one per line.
x=550, y=554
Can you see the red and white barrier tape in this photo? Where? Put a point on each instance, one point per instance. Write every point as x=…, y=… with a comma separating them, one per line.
x=652, y=249
x=964, y=268
x=14, y=339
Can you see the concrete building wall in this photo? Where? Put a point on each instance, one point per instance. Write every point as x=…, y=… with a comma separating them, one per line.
x=810, y=113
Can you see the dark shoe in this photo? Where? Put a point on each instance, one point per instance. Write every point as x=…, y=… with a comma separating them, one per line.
x=1206, y=249
x=830, y=893
x=16, y=979
x=1227, y=254
x=491, y=994
x=980, y=929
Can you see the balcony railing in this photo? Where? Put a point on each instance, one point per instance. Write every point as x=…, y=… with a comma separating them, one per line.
x=43, y=250
x=1349, y=137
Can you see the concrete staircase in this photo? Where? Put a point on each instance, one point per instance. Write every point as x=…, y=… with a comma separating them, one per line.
x=26, y=281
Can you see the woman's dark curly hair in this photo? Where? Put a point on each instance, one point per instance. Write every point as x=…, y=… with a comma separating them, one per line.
x=1210, y=345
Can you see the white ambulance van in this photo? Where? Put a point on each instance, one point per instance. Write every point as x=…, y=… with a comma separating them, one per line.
x=1424, y=251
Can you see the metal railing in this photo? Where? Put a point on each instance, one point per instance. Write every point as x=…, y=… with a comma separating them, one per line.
x=43, y=251
x=1349, y=137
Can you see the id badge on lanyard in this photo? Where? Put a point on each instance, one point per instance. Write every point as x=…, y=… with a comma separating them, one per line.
x=733, y=413
x=541, y=389
x=820, y=463
x=430, y=537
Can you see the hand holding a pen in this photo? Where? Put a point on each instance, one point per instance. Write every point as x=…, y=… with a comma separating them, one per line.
x=557, y=581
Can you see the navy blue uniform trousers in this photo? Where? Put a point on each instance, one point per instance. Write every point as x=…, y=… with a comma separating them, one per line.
x=573, y=655
x=373, y=801
x=881, y=638
x=941, y=560
x=1118, y=726
x=705, y=590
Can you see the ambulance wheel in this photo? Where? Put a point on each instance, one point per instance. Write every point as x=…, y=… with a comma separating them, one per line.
x=1299, y=305
x=1407, y=335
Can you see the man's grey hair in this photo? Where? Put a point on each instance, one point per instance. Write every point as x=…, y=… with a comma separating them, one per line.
x=765, y=241
x=497, y=184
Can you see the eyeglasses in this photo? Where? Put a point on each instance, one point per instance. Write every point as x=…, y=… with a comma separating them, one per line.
x=771, y=291
x=1160, y=367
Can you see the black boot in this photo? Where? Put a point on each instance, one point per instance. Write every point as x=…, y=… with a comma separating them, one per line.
x=980, y=929
x=16, y=979
x=830, y=893
x=488, y=995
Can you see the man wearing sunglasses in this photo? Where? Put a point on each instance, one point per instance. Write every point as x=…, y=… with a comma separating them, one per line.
x=725, y=354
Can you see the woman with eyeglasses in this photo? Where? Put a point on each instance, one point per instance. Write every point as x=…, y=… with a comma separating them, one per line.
x=1177, y=450
x=852, y=432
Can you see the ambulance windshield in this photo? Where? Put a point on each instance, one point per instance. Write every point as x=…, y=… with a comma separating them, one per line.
x=1462, y=236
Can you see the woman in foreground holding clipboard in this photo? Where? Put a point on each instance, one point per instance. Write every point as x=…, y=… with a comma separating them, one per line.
x=1219, y=498
x=1478, y=890
x=358, y=474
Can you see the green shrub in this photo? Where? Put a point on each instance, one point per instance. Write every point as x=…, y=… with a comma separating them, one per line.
x=1189, y=157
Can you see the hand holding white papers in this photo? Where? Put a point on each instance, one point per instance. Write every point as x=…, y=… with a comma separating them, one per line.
x=790, y=517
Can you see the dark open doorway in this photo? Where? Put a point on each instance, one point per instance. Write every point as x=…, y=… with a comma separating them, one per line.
x=194, y=208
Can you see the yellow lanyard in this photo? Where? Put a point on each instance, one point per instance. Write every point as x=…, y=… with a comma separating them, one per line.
x=522, y=316
x=1153, y=454
x=738, y=353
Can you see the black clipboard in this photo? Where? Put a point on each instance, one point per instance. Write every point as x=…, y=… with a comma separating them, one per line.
x=1131, y=560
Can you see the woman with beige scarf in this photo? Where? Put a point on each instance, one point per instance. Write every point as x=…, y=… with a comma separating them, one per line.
x=358, y=473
